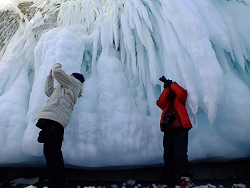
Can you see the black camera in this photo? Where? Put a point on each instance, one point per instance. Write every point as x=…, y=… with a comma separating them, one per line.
x=168, y=118
x=163, y=79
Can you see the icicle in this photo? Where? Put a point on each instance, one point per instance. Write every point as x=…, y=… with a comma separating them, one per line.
x=129, y=41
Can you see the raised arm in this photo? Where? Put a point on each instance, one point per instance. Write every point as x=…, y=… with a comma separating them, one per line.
x=163, y=99
x=61, y=77
x=180, y=92
x=49, y=85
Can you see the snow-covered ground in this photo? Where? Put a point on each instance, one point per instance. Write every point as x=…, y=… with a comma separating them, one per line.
x=30, y=183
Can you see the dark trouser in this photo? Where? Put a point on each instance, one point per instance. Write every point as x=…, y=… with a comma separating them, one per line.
x=175, y=157
x=53, y=154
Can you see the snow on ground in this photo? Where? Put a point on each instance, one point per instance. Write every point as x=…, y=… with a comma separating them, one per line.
x=31, y=183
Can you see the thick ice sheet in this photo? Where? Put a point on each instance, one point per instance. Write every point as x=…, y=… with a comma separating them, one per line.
x=122, y=47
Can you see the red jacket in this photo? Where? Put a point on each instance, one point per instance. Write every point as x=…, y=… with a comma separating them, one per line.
x=179, y=104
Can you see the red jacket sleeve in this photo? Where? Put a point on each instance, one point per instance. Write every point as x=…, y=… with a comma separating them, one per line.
x=180, y=92
x=163, y=99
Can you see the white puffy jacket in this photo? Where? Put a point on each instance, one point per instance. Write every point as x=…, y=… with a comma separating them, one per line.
x=62, y=99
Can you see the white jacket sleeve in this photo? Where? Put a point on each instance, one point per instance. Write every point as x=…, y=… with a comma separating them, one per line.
x=49, y=85
x=61, y=77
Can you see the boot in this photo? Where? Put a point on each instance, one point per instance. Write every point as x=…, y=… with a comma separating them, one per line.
x=186, y=182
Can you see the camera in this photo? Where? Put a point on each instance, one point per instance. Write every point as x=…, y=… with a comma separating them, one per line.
x=168, y=118
x=163, y=79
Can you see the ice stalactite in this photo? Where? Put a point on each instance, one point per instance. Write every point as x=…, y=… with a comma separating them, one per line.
x=122, y=47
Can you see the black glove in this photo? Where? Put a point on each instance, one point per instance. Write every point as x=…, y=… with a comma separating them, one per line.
x=163, y=79
x=169, y=82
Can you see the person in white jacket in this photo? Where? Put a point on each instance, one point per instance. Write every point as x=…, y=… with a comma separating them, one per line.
x=55, y=116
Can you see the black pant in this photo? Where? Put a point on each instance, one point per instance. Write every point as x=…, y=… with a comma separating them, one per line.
x=175, y=157
x=53, y=154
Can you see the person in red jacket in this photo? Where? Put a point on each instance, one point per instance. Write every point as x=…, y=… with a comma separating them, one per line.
x=175, y=124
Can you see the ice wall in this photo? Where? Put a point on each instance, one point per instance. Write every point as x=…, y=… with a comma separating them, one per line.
x=122, y=47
